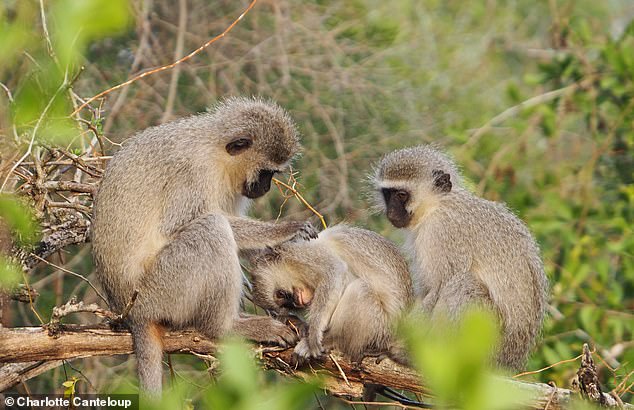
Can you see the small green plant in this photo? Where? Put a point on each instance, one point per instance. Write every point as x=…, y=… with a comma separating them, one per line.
x=455, y=362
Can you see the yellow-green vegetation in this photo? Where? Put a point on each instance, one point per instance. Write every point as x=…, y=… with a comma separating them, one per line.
x=535, y=100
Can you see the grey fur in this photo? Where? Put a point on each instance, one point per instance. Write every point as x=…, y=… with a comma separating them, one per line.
x=360, y=282
x=466, y=249
x=164, y=218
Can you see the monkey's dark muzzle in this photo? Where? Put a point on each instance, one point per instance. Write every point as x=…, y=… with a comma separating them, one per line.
x=260, y=187
x=399, y=218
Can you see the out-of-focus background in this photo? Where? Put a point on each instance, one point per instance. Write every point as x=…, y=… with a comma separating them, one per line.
x=535, y=100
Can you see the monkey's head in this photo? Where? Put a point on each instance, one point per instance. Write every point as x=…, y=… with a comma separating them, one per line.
x=410, y=180
x=258, y=138
x=276, y=285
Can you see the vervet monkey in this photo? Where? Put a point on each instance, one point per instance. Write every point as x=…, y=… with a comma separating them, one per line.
x=465, y=249
x=168, y=222
x=353, y=283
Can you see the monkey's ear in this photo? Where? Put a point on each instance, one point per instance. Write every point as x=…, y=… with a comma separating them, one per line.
x=442, y=180
x=436, y=173
x=238, y=146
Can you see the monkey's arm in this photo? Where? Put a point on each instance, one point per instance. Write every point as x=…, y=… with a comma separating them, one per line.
x=325, y=300
x=254, y=234
x=450, y=286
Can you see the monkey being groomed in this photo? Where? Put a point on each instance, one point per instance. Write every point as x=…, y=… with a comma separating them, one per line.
x=168, y=222
x=465, y=249
x=353, y=283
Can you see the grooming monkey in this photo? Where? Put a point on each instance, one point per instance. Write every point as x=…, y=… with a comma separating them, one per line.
x=353, y=283
x=168, y=222
x=465, y=249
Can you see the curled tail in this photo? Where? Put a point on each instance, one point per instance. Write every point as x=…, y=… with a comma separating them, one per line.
x=148, y=347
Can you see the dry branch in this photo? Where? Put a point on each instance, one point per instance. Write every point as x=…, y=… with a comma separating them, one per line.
x=73, y=230
x=35, y=346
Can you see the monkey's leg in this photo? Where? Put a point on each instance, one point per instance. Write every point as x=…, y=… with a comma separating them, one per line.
x=253, y=234
x=197, y=280
x=325, y=300
x=458, y=293
x=193, y=280
x=359, y=322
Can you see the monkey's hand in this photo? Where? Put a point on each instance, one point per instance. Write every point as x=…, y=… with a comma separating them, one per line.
x=264, y=329
x=304, y=352
x=306, y=232
x=294, y=322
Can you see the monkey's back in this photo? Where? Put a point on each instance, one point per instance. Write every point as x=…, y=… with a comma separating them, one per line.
x=153, y=169
x=490, y=242
x=376, y=260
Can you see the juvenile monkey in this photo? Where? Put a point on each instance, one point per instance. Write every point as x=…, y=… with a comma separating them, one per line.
x=168, y=222
x=353, y=283
x=465, y=249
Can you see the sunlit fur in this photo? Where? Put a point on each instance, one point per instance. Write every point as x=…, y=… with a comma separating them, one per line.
x=466, y=249
x=361, y=287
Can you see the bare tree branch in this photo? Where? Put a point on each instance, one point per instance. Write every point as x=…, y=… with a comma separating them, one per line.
x=34, y=346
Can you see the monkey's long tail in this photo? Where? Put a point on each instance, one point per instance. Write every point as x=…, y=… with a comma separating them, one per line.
x=148, y=347
x=398, y=397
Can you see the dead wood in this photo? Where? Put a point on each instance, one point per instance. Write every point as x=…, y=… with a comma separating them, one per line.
x=27, y=352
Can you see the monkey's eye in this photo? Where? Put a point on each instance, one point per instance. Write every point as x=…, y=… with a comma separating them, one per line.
x=238, y=146
x=402, y=196
x=280, y=294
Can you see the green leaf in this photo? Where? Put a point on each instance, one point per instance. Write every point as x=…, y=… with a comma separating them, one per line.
x=10, y=273
x=20, y=220
x=78, y=22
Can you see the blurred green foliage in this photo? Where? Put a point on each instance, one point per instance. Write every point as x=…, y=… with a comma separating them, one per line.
x=239, y=385
x=456, y=362
x=18, y=219
x=42, y=65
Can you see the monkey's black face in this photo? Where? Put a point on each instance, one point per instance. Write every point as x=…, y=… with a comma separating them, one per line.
x=395, y=202
x=284, y=299
x=261, y=186
x=299, y=298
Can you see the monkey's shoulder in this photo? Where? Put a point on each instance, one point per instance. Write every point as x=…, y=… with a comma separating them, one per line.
x=463, y=205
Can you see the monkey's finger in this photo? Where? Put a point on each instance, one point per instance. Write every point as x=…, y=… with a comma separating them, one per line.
x=298, y=361
x=283, y=336
x=308, y=231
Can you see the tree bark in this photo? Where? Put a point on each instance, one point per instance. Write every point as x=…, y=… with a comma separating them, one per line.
x=27, y=352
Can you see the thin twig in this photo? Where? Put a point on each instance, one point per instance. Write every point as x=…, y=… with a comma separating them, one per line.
x=71, y=273
x=512, y=111
x=547, y=367
x=552, y=396
x=29, y=293
x=178, y=53
x=345, y=378
x=49, y=45
x=301, y=199
x=61, y=88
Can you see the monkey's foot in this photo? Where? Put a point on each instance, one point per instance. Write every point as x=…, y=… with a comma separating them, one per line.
x=294, y=322
x=304, y=353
